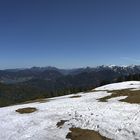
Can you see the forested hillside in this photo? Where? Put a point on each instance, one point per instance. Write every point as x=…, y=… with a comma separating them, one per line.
x=18, y=86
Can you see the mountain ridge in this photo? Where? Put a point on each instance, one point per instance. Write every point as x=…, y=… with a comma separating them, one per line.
x=22, y=75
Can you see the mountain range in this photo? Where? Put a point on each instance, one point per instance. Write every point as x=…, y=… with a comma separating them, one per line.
x=19, y=85
x=11, y=76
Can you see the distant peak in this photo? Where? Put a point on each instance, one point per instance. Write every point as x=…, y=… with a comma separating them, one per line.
x=110, y=66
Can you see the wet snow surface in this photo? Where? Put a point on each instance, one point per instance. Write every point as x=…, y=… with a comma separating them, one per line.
x=122, y=85
x=113, y=119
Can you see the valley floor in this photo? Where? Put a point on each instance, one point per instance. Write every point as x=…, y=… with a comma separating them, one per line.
x=53, y=118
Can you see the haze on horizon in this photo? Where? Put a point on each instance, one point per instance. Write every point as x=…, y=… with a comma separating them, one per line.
x=69, y=34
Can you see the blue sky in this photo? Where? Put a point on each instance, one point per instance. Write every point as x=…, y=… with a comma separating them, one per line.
x=69, y=33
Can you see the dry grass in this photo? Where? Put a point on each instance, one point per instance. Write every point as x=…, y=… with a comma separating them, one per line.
x=132, y=96
x=84, y=134
x=26, y=110
x=76, y=96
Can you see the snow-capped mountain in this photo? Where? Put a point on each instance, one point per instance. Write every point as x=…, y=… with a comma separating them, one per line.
x=46, y=82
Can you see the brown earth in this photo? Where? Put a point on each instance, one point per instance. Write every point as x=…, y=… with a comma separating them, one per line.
x=26, y=110
x=61, y=123
x=84, y=134
x=76, y=96
x=132, y=96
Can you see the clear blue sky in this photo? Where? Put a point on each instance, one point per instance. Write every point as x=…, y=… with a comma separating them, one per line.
x=69, y=33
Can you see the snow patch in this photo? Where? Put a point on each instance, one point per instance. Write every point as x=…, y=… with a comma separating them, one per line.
x=116, y=99
x=115, y=120
x=120, y=86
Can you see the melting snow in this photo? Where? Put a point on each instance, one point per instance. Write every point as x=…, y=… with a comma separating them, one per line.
x=115, y=120
x=116, y=99
x=119, y=86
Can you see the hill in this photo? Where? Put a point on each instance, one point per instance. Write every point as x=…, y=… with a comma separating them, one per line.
x=77, y=116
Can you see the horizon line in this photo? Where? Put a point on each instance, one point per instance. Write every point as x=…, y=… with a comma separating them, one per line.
x=30, y=67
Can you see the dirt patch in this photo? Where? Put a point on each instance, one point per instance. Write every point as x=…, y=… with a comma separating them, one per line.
x=26, y=110
x=133, y=96
x=61, y=123
x=84, y=134
x=76, y=96
x=37, y=100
